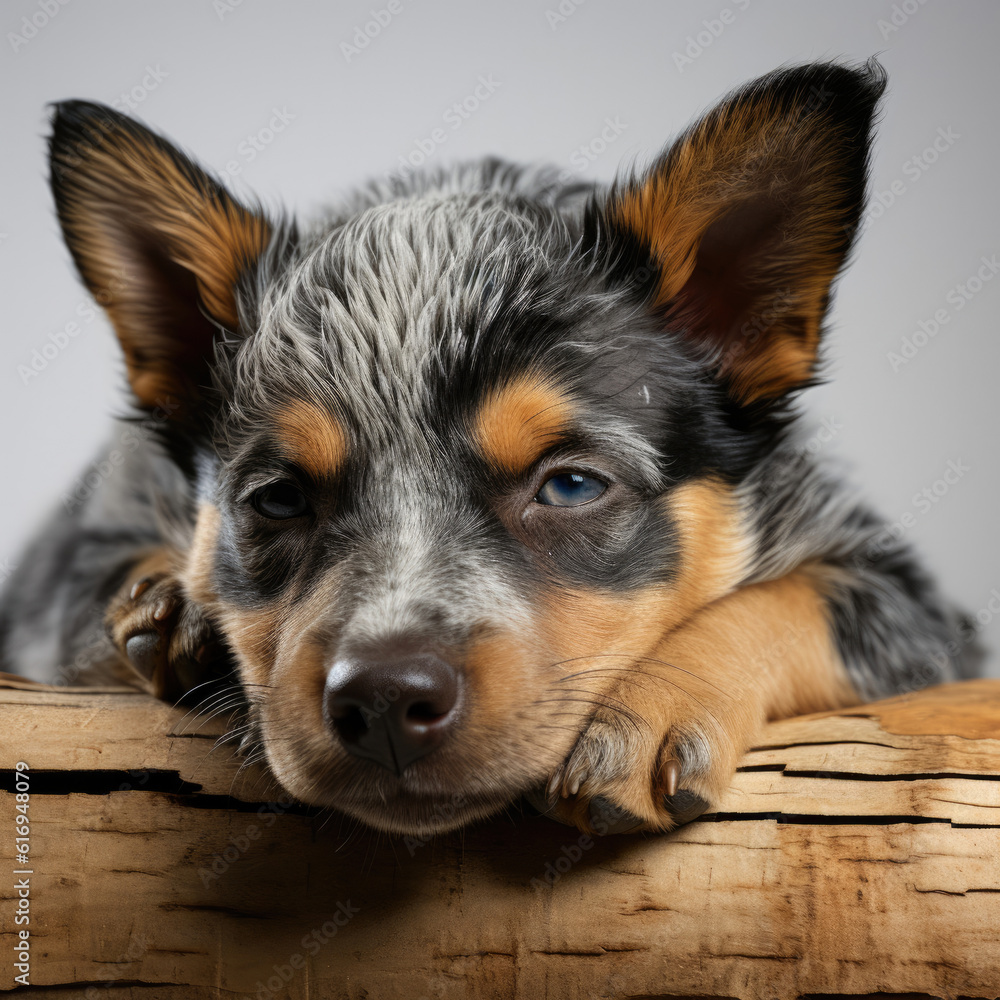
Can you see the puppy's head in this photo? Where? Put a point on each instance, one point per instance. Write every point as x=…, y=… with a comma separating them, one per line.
x=466, y=452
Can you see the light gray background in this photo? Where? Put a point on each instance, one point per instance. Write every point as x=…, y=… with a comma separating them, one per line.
x=211, y=74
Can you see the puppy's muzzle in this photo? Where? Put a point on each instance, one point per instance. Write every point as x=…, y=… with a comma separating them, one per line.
x=392, y=709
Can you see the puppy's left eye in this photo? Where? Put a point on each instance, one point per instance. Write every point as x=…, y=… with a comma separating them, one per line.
x=280, y=501
x=570, y=489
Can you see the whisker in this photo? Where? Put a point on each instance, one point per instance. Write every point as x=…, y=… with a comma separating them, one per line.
x=627, y=669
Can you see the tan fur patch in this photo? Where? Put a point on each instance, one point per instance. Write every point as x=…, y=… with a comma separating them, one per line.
x=700, y=694
x=314, y=438
x=124, y=196
x=197, y=574
x=204, y=231
x=772, y=639
x=715, y=548
x=253, y=634
x=597, y=627
x=743, y=154
x=518, y=423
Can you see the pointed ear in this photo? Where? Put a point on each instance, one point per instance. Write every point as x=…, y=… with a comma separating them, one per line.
x=160, y=244
x=749, y=216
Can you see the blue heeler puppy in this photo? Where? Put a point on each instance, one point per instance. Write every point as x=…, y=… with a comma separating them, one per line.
x=482, y=484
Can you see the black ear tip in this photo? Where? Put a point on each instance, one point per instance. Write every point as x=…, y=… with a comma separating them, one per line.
x=875, y=72
x=868, y=79
x=865, y=82
x=74, y=120
x=76, y=112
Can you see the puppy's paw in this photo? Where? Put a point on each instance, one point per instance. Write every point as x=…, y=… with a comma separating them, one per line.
x=163, y=636
x=626, y=775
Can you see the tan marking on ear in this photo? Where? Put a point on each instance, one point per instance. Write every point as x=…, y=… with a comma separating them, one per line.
x=157, y=241
x=746, y=208
x=672, y=215
x=516, y=424
x=204, y=230
x=667, y=223
x=314, y=438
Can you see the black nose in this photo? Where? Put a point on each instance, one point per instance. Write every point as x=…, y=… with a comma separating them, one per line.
x=392, y=710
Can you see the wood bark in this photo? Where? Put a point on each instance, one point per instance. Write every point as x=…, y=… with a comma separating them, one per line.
x=857, y=852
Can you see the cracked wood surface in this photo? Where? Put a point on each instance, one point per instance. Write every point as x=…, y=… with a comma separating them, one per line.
x=856, y=852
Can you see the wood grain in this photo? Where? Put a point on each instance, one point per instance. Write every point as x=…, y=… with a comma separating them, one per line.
x=857, y=852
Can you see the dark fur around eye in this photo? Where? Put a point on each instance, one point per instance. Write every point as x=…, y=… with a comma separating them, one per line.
x=280, y=501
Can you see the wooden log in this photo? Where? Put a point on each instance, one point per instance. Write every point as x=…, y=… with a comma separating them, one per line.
x=857, y=852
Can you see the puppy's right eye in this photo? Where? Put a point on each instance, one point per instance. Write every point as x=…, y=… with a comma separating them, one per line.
x=570, y=489
x=280, y=501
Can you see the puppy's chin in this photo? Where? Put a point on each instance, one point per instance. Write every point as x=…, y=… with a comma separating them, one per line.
x=418, y=804
x=423, y=818
x=411, y=814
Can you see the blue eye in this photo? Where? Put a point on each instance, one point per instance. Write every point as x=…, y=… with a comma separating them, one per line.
x=570, y=489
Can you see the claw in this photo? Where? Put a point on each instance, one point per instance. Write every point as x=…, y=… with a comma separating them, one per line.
x=552, y=788
x=163, y=609
x=575, y=782
x=671, y=776
x=139, y=588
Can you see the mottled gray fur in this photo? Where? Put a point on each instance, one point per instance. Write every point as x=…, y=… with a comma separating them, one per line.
x=356, y=318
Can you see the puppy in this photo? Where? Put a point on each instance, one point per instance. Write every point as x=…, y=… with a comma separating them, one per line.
x=483, y=485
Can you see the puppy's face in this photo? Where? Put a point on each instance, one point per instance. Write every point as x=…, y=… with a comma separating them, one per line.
x=435, y=522
x=463, y=457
